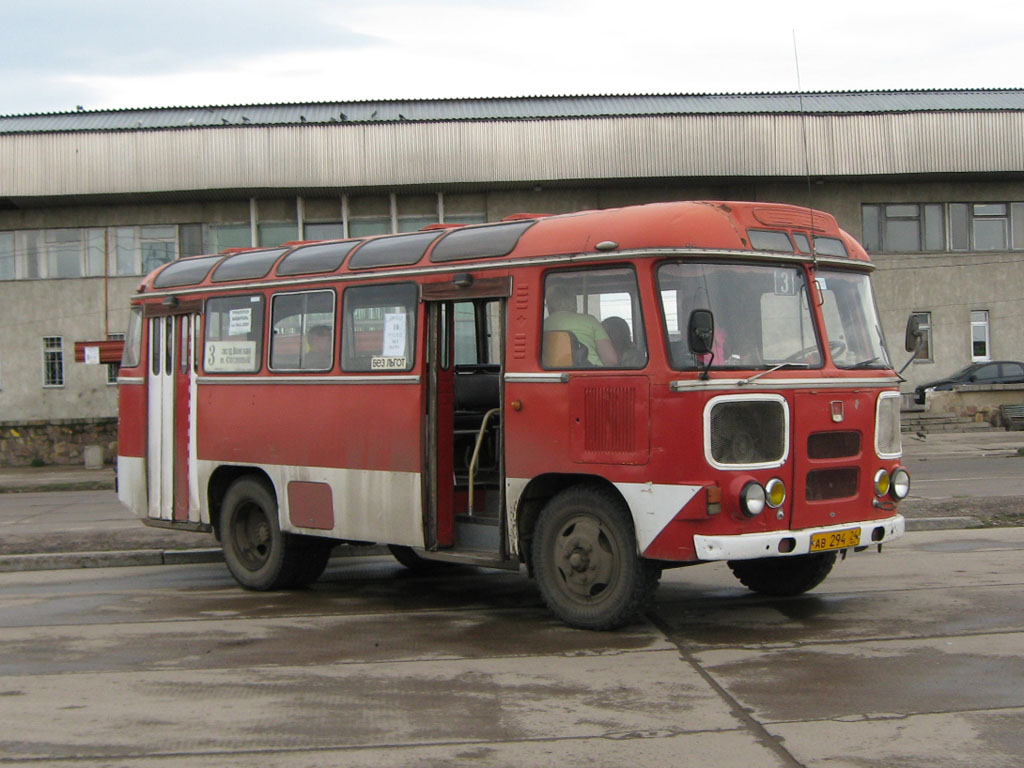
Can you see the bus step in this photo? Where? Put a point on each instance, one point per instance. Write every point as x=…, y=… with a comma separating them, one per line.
x=480, y=533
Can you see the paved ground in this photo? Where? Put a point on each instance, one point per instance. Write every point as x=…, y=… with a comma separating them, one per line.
x=53, y=517
x=908, y=659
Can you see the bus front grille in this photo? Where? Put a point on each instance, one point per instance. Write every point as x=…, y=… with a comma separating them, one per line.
x=828, y=484
x=748, y=432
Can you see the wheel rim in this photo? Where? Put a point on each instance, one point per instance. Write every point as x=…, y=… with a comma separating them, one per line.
x=252, y=536
x=586, y=557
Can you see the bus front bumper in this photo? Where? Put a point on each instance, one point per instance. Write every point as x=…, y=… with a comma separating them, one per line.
x=751, y=546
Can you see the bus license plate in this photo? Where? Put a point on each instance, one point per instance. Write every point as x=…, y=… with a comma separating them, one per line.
x=821, y=542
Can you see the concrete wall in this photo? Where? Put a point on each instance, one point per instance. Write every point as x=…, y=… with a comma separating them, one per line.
x=76, y=310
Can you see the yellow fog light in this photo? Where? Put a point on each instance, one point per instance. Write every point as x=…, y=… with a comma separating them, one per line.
x=900, y=484
x=882, y=483
x=775, y=492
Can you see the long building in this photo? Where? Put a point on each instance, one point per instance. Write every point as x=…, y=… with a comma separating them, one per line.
x=931, y=181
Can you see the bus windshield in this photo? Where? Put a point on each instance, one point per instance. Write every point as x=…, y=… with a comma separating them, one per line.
x=762, y=314
x=851, y=320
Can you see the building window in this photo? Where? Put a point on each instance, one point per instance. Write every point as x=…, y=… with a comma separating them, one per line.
x=979, y=336
x=7, y=271
x=272, y=233
x=113, y=368
x=915, y=227
x=365, y=226
x=904, y=227
x=924, y=354
x=221, y=236
x=986, y=226
x=324, y=230
x=140, y=250
x=53, y=361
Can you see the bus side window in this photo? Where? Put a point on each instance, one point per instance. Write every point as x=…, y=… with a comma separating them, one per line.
x=379, y=328
x=593, y=319
x=234, y=334
x=302, y=331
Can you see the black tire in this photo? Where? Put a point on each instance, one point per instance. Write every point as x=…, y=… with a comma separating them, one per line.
x=258, y=553
x=784, y=576
x=316, y=552
x=586, y=563
x=407, y=556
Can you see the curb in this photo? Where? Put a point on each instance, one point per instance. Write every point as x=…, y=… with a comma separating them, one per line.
x=950, y=523
x=56, y=561
x=84, y=485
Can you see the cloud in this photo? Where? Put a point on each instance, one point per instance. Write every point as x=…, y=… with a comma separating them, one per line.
x=129, y=53
x=130, y=37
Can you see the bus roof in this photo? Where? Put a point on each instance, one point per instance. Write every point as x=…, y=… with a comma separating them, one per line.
x=713, y=226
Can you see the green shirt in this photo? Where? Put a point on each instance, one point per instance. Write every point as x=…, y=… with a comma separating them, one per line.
x=587, y=329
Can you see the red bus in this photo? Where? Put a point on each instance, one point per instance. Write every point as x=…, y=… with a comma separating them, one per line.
x=598, y=396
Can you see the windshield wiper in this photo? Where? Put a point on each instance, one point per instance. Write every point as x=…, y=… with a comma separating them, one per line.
x=863, y=363
x=786, y=364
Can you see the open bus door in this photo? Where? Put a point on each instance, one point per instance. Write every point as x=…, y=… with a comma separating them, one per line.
x=170, y=445
x=464, y=478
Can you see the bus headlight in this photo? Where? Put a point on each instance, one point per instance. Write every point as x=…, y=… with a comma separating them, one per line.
x=900, y=484
x=775, y=493
x=882, y=483
x=753, y=499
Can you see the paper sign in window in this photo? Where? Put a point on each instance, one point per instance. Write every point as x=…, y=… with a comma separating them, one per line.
x=226, y=356
x=240, y=322
x=394, y=334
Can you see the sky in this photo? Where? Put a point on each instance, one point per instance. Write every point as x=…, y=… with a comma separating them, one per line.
x=59, y=55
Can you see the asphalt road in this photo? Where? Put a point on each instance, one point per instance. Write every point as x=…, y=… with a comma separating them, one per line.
x=909, y=658
x=950, y=477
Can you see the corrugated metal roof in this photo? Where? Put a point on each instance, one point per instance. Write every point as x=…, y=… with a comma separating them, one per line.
x=434, y=155
x=520, y=108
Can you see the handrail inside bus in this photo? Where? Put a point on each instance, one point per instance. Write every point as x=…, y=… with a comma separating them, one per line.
x=476, y=454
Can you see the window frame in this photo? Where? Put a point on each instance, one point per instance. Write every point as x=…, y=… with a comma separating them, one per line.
x=303, y=334
x=53, y=355
x=257, y=318
x=352, y=301
x=925, y=326
x=636, y=322
x=981, y=319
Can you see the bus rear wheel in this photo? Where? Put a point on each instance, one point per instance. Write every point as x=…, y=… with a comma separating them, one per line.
x=586, y=563
x=258, y=553
x=784, y=576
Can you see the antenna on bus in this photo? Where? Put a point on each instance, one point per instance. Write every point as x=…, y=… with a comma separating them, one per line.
x=803, y=138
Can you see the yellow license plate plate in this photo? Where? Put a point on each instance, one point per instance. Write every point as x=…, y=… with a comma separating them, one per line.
x=821, y=542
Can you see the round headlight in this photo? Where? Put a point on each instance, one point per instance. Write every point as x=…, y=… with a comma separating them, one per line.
x=775, y=493
x=752, y=499
x=882, y=483
x=900, y=484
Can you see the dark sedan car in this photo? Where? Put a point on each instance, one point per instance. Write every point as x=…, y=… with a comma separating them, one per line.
x=996, y=372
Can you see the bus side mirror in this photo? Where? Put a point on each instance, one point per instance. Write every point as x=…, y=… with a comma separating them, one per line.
x=912, y=341
x=913, y=335
x=701, y=331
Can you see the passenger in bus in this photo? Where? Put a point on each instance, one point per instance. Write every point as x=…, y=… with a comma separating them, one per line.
x=562, y=316
x=622, y=339
x=318, y=357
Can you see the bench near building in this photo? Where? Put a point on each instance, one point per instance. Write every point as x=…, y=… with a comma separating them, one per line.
x=932, y=182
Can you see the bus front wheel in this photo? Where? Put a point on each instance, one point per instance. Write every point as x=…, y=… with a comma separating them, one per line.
x=784, y=576
x=585, y=560
x=258, y=553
